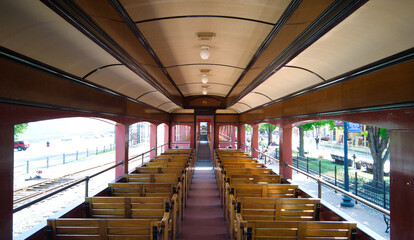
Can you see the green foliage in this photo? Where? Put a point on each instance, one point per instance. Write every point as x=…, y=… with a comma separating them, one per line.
x=19, y=129
x=317, y=124
x=248, y=128
x=267, y=128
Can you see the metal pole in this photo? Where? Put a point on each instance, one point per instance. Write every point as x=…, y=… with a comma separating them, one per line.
x=47, y=162
x=336, y=180
x=142, y=159
x=385, y=194
x=96, y=151
x=86, y=186
x=346, y=201
x=64, y=159
x=27, y=167
x=319, y=168
x=87, y=153
x=356, y=185
x=319, y=189
x=76, y=155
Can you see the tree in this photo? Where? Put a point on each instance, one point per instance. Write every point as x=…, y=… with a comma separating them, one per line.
x=268, y=129
x=19, y=129
x=378, y=140
x=310, y=126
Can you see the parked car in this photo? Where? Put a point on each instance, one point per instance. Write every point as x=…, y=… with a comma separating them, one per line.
x=21, y=145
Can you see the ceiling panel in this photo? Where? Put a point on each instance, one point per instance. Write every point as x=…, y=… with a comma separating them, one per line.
x=122, y=80
x=286, y=81
x=378, y=29
x=261, y=10
x=35, y=31
x=169, y=107
x=175, y=41
x=254, y=99
x=154, y=99
x=240, y=107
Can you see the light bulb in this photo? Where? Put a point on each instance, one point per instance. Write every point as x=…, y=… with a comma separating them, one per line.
x=204, y=79
x=204, y=54
x=204, y=91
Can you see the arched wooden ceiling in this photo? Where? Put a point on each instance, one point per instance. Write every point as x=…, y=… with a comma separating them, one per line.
x=261, y=51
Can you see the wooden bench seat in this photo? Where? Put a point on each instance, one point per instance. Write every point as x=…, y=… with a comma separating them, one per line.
x=234, y=191
x=272, y=209
x=166, y=164
x=155, y=208
x=304, y=230
x=89, y=228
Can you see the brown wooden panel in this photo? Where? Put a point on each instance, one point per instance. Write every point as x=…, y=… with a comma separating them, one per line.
x=227, y=118
x=26, y=85
x=182, y=118
x=392, y=85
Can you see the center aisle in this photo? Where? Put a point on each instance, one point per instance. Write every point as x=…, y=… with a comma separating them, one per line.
x=203, y=217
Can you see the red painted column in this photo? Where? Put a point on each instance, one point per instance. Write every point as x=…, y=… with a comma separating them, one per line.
x=241, y=137
x=285, y=151
x=255, y=140
x=233, y=135
x=216, y=136
x=153, y=140
x=6, y=179
x=166, y=136
x=121, y=148
x=402, y=184
x=173, y=135
x=192, y=130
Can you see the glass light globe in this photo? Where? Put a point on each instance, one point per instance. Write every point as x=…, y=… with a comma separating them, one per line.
x=204, y=79
x=204, y=91
x=204, y=54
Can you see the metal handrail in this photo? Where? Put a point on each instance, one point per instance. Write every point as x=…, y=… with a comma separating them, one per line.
x=86, y=180
x=64, y=188
x=351, y=195
x=321, y=181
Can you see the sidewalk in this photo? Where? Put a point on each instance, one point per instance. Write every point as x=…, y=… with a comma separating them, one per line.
x=368, y=220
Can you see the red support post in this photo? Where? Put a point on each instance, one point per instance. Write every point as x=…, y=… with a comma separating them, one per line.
x=285, y=151
x=6, y=179
x=121, y=149
x=255, y=140
x=192, y=130
x=153, y=140
x=241, y=137
x=166, y=136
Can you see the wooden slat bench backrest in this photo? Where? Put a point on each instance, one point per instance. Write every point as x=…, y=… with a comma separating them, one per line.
x=166, y=164
x=89, y=228
x=142, y=189
x=128, y=207
x=169, y=159
x=299, y=230
x=248, y=171
x=178, y=151
x=153, y=170
x=242, y=165
x=278, y=209
x=264, y=190
x=152, y=178
x=252, y=178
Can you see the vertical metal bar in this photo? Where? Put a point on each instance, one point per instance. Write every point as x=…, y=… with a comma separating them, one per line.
x=142, y=163
x=47, y=162
x=64, y=159
x=27, y=167
x=385, y=195
x=96, y=151
x=265, y=159
x=87, y=153
x=104, y=148
x=307, y=165
x=86, y=186
x=76, y=155
x=319, y=168
x=356, y=185
x=336, y=180
x=319, y=189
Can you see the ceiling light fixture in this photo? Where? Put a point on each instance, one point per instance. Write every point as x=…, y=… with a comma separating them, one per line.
x=204, y=54
x=204, y=79
x=204, y=91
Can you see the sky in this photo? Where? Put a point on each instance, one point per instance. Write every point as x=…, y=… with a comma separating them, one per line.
x=66, y=127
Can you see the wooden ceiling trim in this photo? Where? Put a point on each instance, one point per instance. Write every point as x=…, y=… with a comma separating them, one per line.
x=307, y=70
x=127, y=19
x=333, y=15
x=100, y=68
x=77, y=17
x=275, y=30
x=204, y=16
x=204, y=64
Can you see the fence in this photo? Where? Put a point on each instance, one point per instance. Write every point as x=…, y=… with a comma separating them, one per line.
x=375, y=192
x=64, y=158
